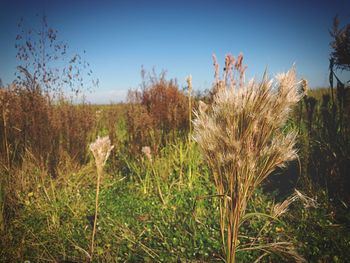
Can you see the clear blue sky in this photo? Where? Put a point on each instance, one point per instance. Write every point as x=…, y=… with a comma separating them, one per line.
x=180, y=36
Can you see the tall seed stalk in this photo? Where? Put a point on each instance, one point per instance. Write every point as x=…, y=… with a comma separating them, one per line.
x=189, y=83
x=5, y=113
x=101, y=150
x=243, y=139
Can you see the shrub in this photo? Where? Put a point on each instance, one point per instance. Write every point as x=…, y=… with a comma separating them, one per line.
x=156, y=113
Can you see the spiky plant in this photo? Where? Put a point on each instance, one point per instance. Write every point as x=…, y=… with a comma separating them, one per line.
x=101, y=150
x=243, y=139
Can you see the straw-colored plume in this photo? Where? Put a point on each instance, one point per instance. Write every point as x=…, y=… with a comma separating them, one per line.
x=243, y=139
x=101, y=150
x=147, y=152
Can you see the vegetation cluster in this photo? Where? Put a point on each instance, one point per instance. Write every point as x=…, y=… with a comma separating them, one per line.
x=247, y=172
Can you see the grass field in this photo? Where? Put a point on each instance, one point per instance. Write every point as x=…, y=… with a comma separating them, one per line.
x=160, y=198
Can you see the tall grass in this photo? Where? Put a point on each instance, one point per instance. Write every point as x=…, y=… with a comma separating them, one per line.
x=243, y=139
x=325, y=142
x=101, y=150
x=47, y=132
x=156, y=114
x=29, y=121
x=158, y=200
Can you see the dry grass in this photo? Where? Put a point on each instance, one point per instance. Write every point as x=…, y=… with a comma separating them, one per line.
x=30, y=121
x=156, y=113
x=101, y=150
x=33, y=128
x=242, y=136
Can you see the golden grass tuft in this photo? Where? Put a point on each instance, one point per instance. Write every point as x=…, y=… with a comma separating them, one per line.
x=243, y=139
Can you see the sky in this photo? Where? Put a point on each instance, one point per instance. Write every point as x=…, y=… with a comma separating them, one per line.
x=180, y=37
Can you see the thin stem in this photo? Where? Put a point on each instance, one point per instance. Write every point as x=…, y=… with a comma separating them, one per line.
x=190, y=129
x=6, y=139
x=99, y=175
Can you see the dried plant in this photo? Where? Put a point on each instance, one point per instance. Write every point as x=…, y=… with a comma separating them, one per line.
x=147, y=151
x=101, y=150
x=243, y=139
x=45, y=68
x=47, y=63
x=63, y=127
x=281, y=208
x=189, y=84
x=76, y=124
x=157, y=113
x=340, y=44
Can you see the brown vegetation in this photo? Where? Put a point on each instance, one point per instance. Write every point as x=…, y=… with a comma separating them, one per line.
x=156, y=113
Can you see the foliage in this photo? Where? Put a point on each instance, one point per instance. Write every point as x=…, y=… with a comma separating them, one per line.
x=54, y=220
x=156, y=113
x=322, y=235
x=156, y=201
x=324, y=127
x=340, y=45
x=50, y=218
x=63, y=128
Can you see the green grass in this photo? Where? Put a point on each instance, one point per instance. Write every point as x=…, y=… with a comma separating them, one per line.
x=52, y=222
x=50, y=219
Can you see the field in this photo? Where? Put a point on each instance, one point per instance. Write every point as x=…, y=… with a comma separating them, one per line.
x=157, y=196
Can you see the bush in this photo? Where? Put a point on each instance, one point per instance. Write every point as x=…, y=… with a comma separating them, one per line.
x=156, y=113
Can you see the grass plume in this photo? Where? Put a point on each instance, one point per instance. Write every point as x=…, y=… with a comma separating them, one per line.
x=243, y=139
x=101, y=150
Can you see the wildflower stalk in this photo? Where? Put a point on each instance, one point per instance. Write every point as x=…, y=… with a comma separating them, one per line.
x=101, y=150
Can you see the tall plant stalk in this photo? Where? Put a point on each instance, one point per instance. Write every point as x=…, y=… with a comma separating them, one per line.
x=189, y=83
x=99, y=175
x=243, y=139
x=5, y=138
x=8, y=164
x=101, y=150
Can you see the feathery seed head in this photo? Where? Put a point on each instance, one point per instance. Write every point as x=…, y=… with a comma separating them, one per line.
x=243, y=129
x=147, y=151
x=287, y=86
x=304, y=87
x=101, y=150
x=242, y=136
x=189, y=81
x=202, y=107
